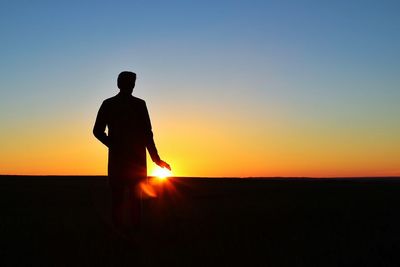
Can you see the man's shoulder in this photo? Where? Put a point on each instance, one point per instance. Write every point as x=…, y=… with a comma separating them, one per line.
x=115, y=100
x=109, y=100
x=138, y=100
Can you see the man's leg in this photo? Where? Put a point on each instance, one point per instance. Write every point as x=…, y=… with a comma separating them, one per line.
x=135, y=202
x=119, y=205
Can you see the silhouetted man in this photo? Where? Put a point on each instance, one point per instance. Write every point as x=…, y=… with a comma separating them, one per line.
x=129, y=134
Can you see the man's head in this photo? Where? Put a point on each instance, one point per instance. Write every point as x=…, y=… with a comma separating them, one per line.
x=126, y=81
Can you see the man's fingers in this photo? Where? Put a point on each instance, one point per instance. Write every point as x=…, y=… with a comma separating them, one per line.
x=163, y=164
x=166, y=165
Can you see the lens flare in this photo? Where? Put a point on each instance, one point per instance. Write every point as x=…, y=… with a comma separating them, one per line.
x=148, y=190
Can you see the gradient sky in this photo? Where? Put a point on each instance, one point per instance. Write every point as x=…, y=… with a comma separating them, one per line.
x=234, y=88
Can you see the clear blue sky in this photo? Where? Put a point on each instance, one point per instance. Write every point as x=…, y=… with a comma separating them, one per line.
x=316, y=65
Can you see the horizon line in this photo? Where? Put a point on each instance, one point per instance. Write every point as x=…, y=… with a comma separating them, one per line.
x=215, y=177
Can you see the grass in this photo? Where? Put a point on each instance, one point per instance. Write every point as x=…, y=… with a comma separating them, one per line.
x=63, y=221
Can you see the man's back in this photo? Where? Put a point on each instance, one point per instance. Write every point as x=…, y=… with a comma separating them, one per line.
x=129, y=134
x=127, y=121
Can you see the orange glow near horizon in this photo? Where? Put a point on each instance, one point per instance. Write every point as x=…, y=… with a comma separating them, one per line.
x=210, y=148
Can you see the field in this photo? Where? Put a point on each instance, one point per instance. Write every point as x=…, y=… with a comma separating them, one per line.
x=64, y=221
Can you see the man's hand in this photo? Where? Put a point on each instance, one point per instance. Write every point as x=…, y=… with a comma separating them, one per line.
x=163, y=164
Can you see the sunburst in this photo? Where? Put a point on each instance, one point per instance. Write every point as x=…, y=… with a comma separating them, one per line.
x=161, y=173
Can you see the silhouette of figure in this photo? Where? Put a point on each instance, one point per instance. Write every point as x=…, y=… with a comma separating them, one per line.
x=129, y=134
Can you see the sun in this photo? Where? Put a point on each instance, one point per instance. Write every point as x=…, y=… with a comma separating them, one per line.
x=161, y=173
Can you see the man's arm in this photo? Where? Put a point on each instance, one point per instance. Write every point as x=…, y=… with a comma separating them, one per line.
x=150, y=145
x=100, y=126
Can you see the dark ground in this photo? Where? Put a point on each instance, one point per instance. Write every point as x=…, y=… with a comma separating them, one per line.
x=62, y=221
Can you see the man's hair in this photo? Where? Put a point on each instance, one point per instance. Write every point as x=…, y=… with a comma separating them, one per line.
x=126, y=80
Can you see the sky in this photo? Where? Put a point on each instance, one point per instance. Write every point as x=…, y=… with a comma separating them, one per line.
x=234, y=88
